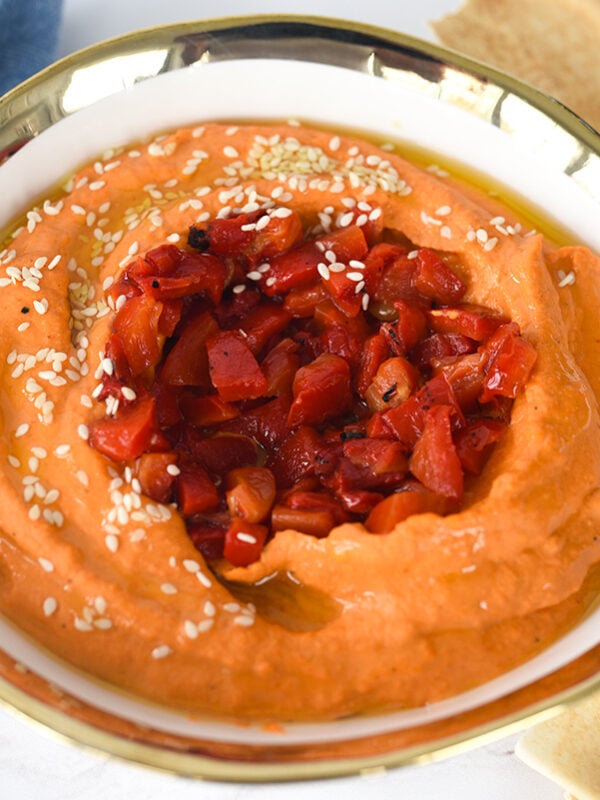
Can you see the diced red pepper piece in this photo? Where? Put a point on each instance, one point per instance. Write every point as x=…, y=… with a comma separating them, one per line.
x=234, y=370
x=250, y=493
x=380, y=456
x=302, y=302
x=294, y=269
x=160, y=260
x=171, y=314
x=315, y=522
x=408, y=419
x=155, y=479
x=296, y=457
x=187, y=362
x=196, y=490
x=395, y=271
x=394, y=381
x=194, y=273
x=441, y=345
x=410, y=327
x=208, y=537
x=221, y=453
x=263, y=323
x=128, y=435
x=137, y=326
x=230, y=311
x=166, y=404
x=321, y=391
x=359, y=501
x=266, y=423
x=207, y=410
x=244, y=542
x=343, y=291
x=434, y=460
x=476, y=322
x=347, y=243
x=245, y=234
x=307, y=500
x=509, y=361
x=434, y=279
x=279, y=367
x=465, y=376
x=411, y=499
x=374, y=352
x=474, y=443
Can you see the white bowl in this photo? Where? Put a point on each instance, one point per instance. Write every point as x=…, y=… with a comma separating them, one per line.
x=349, y=77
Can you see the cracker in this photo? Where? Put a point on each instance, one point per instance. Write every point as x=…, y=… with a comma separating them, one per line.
x=553, y=46
x=566, y=749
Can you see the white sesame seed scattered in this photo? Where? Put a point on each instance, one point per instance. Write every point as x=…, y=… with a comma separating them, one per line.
x=443, y=211
x=490, y=244
x=483, y=605
x=168, y=588
x=323, y=271
x=190, y=629
x=162, y=651
x=22, y=430
x=111, y=542
x=204, y=579
x=49, y=606
x=345, y=219
x=82, y=625
x=14, y=461
x=254, y=275
x=96, y=185
x=46, y=564
x=103, y=623
x=209, y=609
x=355, y=276
x=82, y=477
x=190, y=565
x=173, y=469
x=244, y=621
x=239, y=288
x=242, y=536
x=271, y=281
x=83, y=431
x=481, y=235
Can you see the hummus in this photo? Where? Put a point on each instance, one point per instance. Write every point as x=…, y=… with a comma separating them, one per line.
x=108, y=579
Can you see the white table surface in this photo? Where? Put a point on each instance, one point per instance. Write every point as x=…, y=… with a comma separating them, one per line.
x=36, y=764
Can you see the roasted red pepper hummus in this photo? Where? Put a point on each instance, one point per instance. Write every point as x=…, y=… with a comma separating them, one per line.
x=165, y=518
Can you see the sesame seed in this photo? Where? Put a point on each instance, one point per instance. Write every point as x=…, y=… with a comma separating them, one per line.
x=162, y=651
x=205, y=625
x=173, y=469
x=254, y=275
x=346, y=219
x=359, y=287
x=22, y=430
x=323, y=271
x=82, y=625
x=49, y=606
x=246, y=537
x=168, y=588
x=190, y=629
x=111, y=542
x=355, y=276
x=96, y=185
x=191, y=565
x=243, y=620
x=82, y=477
x=209, y=609
x=230, y=152
x=46, y=564
x=103, y=623
x=204, y=579
x=84, y=432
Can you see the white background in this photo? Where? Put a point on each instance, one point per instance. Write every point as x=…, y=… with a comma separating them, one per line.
x=34, y=763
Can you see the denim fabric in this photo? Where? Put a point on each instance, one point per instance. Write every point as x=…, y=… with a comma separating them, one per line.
x=28, y=38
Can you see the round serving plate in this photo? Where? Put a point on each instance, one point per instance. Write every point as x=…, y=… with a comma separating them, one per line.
x=351, y=77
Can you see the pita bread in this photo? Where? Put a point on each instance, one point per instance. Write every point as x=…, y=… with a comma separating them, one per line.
x=554, y=46
x=567, y=749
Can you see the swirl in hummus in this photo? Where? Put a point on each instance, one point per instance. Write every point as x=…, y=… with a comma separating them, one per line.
x=108, y=579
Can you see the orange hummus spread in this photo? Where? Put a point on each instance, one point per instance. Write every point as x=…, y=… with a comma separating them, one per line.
x=108, y=579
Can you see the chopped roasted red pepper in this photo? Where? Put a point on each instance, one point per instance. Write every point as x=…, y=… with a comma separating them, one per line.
x=264, y=380
x=234, y=371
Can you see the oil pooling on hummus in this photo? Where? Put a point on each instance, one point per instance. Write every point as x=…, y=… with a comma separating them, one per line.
x=102, y=570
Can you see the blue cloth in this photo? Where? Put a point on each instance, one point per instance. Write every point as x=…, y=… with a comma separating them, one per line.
x=28, y=38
